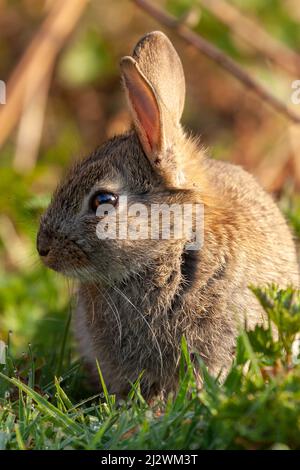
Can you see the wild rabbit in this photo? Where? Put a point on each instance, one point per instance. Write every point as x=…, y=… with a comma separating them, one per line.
x=138, y=297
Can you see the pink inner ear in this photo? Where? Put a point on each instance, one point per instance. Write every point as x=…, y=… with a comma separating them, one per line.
x=146, y=109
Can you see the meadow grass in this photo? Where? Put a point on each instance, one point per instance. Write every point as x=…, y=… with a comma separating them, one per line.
x=46, y=404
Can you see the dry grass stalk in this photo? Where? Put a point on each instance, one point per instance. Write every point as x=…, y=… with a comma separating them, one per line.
x=219, y=57
x=38, y=60
x=254, y=35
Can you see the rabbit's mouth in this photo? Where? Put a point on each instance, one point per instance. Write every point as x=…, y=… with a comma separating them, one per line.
x=61, y=254
x=67, y=256
x=65, y=262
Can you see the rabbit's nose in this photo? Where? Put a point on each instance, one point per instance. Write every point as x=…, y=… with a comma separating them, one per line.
x=43, y=252
x=43, y=243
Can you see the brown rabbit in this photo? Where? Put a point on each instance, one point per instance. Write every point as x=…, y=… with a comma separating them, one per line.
x=137, y=298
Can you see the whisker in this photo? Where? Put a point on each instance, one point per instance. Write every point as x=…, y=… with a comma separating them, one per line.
x=116, y=289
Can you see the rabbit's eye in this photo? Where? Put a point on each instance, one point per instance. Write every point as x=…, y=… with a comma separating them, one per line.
x=103, y=198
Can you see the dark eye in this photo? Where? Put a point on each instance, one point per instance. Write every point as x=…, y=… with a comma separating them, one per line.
x=103, y=198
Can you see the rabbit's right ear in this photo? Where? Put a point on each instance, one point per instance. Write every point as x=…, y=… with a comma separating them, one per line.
x=155, y=86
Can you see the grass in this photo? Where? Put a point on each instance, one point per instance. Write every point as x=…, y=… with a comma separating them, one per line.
x=258, y=406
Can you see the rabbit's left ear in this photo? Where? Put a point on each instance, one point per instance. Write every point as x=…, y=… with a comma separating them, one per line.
x=155, y=86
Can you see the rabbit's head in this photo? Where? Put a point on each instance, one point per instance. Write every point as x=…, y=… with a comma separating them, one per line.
x=146, y=166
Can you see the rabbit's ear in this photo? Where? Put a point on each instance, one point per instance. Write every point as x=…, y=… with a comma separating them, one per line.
x=155, y=86
x=144, y=107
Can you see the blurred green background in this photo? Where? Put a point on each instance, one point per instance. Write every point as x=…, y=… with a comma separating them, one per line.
x=79, y=103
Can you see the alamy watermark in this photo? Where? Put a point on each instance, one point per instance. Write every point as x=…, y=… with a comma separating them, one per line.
x=139, y=221
x=2, y=92
x=2, y=352
x=295, y=97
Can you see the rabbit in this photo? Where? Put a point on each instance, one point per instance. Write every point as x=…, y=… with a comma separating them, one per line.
x=137, y=298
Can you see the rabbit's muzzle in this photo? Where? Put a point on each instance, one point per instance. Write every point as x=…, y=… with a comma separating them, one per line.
x=58, y=252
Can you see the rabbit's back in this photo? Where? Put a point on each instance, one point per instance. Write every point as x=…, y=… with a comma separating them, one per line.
x=271, y=255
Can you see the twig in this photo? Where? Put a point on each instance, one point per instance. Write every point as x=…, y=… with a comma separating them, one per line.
x=253, y=34
x=38, y=60
x=16, y=248
x=218, y=56
x=30, y=128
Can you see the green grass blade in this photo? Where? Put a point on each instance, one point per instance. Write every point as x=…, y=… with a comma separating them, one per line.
x=105, y=391
x=48, y=408
x=19, y=438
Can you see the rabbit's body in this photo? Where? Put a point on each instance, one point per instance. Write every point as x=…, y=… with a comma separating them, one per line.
x=136, y=324
x=137, y=298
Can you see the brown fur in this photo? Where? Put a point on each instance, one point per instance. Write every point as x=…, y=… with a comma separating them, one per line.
x=137, y=298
